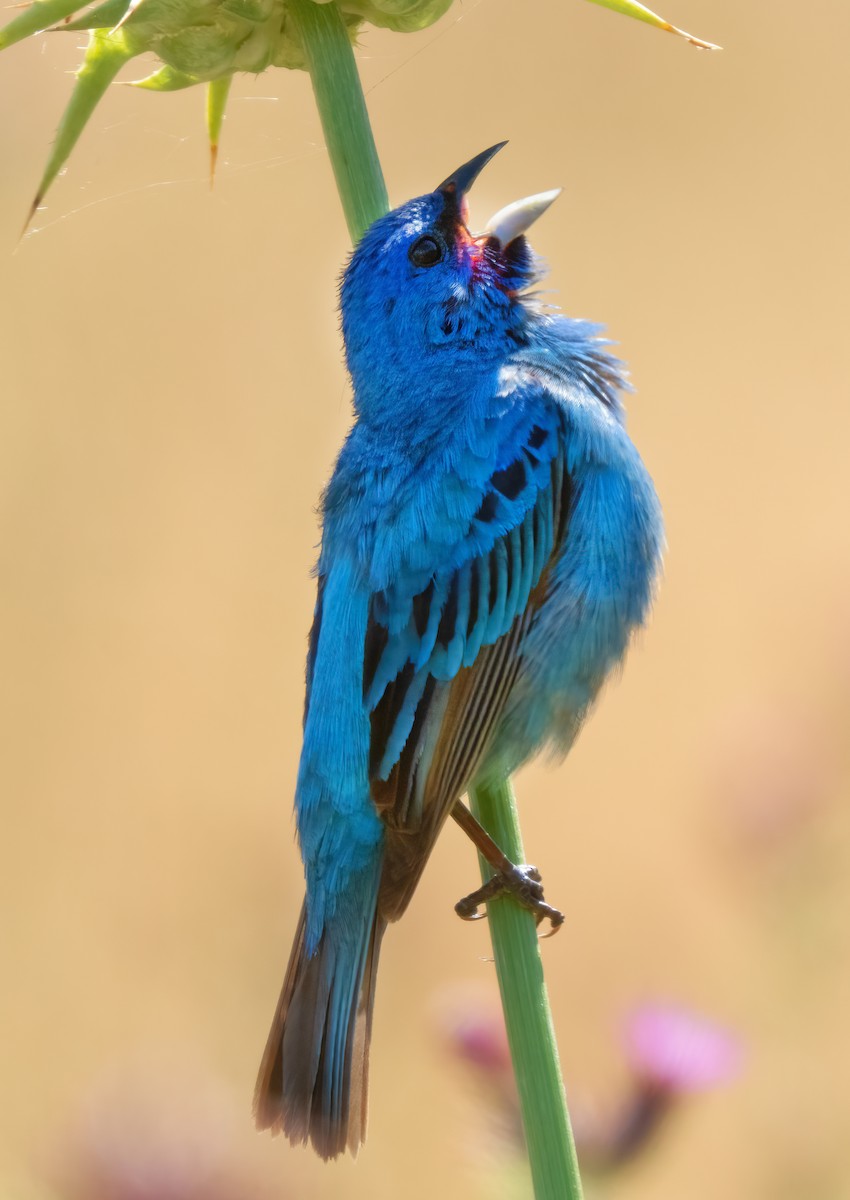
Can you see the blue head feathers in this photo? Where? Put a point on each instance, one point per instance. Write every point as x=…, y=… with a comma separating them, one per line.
x=420, y=283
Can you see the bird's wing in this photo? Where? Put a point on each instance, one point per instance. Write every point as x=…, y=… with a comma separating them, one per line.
x=440, y=662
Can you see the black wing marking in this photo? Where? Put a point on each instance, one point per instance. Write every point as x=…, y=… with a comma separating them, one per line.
x=436, y=687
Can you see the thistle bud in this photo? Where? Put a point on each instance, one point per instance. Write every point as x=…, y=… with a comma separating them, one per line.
x=195, y=41
x=208, y=41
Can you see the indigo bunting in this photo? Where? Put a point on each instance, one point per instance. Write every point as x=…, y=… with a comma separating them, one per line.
x=490, y=540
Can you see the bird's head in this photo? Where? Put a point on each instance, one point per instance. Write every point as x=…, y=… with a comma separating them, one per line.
x=421, y=291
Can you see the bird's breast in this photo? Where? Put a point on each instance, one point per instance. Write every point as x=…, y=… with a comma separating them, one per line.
x=600, y=589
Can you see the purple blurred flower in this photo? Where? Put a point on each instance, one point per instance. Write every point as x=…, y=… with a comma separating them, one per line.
x=673, y=1050
x=670, y=1052
x=479, y=1040
x=473, y=1032
x=472, y=1029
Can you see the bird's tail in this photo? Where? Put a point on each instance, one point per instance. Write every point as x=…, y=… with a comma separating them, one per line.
x=314, y=1074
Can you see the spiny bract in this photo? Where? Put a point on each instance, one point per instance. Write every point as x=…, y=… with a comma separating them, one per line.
x=196, y=41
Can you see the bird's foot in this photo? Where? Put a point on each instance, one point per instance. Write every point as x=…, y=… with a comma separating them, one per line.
x=525, y=884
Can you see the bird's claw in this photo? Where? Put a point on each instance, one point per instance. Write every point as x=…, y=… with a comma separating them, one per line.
x=525, y=884
x=467, y=908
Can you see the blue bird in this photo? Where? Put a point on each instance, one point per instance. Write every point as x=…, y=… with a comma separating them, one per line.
x=490, y=540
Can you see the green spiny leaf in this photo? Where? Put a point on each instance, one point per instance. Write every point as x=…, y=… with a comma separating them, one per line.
x=105, y=56
x=166, y=79
x=631, y=8
x=37, y=16
x=102, y=16
x=217, y=92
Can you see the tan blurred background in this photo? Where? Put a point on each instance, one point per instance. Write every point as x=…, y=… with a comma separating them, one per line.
x=173, y=397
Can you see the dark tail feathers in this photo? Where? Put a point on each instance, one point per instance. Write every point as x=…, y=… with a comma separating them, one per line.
x=314, y=1074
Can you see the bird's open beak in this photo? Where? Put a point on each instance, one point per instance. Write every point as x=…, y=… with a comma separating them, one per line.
x=454, y=189
x=508, y=223
x=512, y=220
x=461, y=180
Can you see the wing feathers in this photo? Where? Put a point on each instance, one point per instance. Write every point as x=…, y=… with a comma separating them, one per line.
x=440, y=664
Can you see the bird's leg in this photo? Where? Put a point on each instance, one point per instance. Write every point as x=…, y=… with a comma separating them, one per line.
x=520, y=880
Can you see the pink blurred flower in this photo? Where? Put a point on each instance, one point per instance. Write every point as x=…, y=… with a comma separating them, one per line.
x=473, y=1033
x=479, y=1040
x=674, y=1050
x=671, y=1052
x=472, y=1029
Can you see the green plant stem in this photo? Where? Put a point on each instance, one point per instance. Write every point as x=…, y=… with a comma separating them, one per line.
x=360, y=183
x=342, y=110
x=531, y=1035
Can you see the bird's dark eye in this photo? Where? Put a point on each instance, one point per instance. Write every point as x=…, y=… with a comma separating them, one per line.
x=427, y=252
